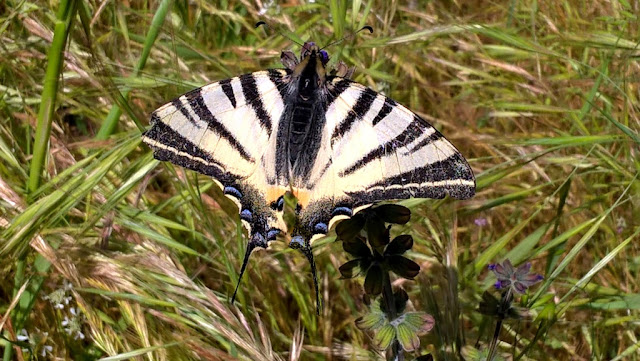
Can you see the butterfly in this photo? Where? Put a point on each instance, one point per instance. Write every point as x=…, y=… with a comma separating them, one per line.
x=336, y=145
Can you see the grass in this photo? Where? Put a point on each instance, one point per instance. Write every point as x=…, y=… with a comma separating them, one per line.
x=541, y=97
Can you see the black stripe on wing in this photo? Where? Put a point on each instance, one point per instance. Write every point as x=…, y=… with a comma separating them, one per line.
x=228, y=91
x=334, y=89
x=253, y=98
x=410, y=134
x=276, y=76
x=173, y=147
x=451, y=176
x=388, y=106
x=197, y=104
x=360, y=108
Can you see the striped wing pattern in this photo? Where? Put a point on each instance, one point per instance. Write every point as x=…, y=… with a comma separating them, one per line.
x=374, y=149
x=226, y=130
x=222, y=129
x=370, y=149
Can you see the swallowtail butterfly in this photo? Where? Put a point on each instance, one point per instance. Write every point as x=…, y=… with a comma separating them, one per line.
x=337, y=145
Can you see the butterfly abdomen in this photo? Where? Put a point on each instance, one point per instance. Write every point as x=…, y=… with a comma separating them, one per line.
x=301, y=120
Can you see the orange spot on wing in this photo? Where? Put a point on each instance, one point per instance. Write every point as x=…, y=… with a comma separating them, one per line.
x=303, y=195
x=273, y=193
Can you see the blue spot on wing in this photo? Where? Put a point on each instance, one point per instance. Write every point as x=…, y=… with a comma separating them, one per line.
x=232, y=191
x=272, y=234
x=342, y=211
x=321, y=228
x=246, y=215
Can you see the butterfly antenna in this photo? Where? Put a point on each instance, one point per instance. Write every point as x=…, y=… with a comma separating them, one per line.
x=263, y=23
x=366, y=27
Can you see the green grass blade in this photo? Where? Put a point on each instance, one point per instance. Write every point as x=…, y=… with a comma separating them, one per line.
x=66, y=13
x=64, y=20
x=111, y=121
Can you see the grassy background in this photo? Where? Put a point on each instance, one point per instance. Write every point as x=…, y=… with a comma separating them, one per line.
x=540, y=96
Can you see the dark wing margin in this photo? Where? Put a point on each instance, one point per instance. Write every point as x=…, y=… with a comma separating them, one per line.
x=168, y=145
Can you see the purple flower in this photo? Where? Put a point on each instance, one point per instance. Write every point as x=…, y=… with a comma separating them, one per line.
x=480, y=222
x=519, y=279
x=621, y=224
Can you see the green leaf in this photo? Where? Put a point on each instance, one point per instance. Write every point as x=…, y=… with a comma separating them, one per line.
x=371, y=321
x=373, y=280
x=420, y=321
x=385, y=336
x=407, y=337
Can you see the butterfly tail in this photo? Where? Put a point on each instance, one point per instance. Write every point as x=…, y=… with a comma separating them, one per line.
x=257, y=240
x=298, y=242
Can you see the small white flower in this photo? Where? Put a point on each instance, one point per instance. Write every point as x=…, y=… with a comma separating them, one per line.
x=265, y=8
x=23, y=335
x=79, y=335
x=46, y=349
x=66, y=322
x=68, y=286
x=57, y=298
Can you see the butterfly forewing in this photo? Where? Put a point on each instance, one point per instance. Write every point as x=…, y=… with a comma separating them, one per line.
x=374, y=149
x=221, y=123
x=399, y=154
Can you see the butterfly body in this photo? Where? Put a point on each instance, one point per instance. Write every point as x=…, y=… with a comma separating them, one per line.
x=335, y=144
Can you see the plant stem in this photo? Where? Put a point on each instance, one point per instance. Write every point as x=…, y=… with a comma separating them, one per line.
x=494, y=341
x=387, y=297
x=505, y=304
x=55, y=56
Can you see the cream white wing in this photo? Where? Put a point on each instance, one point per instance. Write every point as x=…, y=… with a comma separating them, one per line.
x=374, y=149
x=222, y=129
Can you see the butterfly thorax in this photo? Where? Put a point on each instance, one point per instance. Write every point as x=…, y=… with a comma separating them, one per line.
x=310, y=72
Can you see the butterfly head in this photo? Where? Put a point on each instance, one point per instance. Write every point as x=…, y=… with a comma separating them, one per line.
x=311, y=49
x=310, y=71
